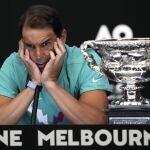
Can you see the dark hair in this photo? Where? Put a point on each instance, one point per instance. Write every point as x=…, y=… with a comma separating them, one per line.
x=41, y=16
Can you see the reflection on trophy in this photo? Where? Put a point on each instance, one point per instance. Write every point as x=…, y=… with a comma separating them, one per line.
x=124, y=61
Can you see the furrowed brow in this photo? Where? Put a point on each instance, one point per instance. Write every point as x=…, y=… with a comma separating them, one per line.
x=45, y=41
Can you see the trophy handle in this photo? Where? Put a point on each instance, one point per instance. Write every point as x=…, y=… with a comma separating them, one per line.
x=89, y=58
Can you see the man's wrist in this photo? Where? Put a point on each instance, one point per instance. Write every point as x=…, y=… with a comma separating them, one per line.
x=50, y=84
x=31, y=85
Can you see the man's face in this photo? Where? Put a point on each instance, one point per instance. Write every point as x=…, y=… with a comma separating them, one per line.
x=39, y=42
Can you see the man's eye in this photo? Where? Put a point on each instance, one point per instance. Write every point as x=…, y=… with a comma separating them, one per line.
x=45, y=44
x=30, y=46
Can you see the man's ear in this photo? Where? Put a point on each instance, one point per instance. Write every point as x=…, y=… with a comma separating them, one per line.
x=63, y=36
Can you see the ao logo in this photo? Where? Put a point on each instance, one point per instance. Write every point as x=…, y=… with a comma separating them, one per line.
x=120, y=31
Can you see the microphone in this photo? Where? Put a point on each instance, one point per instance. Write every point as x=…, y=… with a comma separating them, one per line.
x=35, y=104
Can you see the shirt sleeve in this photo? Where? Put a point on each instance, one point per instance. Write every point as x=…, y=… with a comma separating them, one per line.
x=8, y=87
x=91, y=79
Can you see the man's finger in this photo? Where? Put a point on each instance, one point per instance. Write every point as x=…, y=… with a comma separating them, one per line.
x=21, y=49
x=61, y=45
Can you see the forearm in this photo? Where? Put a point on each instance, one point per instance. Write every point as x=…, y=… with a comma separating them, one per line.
x=13, y=110
x=76, y=111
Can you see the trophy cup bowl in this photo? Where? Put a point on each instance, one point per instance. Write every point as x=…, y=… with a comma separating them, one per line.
x=125, y=61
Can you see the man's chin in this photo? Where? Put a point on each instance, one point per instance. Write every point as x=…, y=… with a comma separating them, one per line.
x=41, y=69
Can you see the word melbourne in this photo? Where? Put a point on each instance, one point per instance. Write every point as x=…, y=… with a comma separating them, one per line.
x=83, y=136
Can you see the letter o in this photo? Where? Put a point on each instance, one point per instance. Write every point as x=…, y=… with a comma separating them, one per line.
x=122, y=29
x=105, y=142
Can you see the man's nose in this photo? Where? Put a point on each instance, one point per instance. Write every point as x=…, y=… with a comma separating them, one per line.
x=38, y=52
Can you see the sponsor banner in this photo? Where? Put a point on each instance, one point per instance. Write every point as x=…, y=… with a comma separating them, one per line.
x=74, y=137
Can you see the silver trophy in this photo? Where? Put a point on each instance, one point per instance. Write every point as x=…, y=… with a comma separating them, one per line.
x=124, y=61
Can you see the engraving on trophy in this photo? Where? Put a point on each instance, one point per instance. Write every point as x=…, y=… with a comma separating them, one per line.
x=124, y=61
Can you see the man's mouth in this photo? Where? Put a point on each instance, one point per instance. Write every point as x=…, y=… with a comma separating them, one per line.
x=41, y=65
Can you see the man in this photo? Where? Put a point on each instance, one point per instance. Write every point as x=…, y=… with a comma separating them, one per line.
x=71, y=91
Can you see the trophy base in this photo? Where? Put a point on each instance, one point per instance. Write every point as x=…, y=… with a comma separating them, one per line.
x=119, y=114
